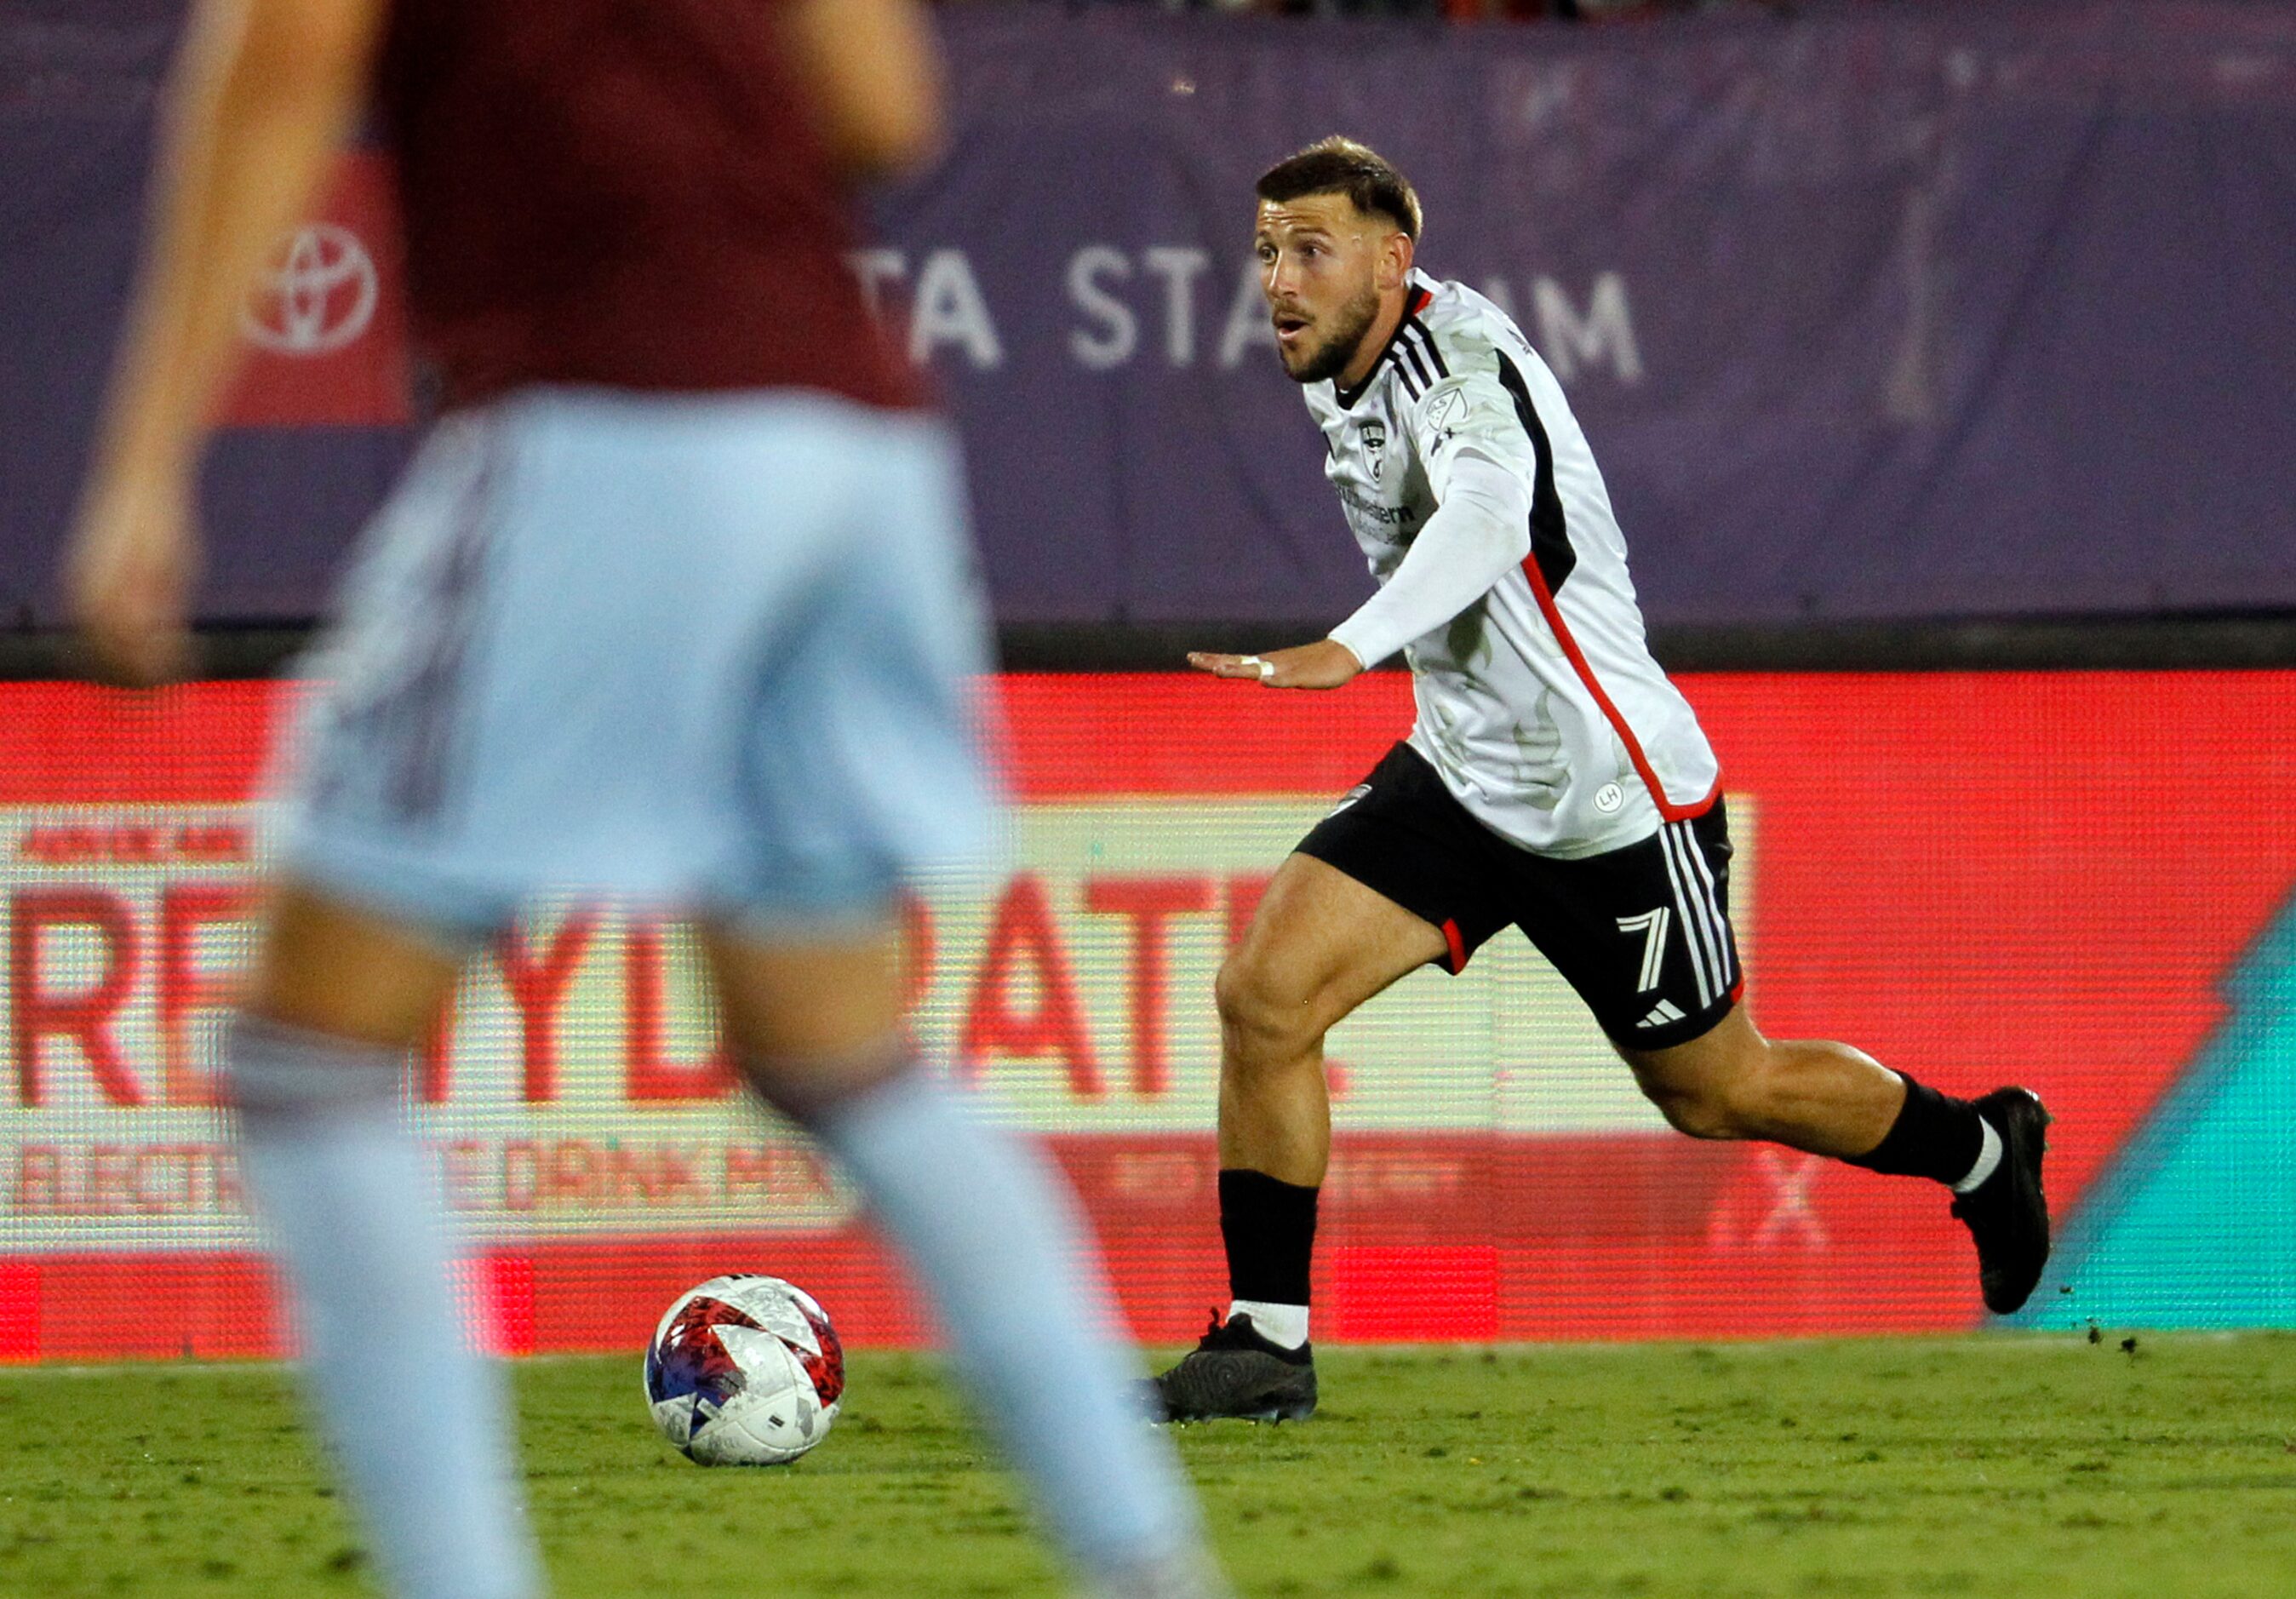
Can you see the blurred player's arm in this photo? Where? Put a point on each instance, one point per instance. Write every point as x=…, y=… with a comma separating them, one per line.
x=875, y=73
x=261, y=95
x=1478, y=533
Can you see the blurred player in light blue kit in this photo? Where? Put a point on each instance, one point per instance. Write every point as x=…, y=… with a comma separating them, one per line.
x=674, y=604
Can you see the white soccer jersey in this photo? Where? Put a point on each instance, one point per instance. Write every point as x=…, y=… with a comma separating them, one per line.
x=1539, y=704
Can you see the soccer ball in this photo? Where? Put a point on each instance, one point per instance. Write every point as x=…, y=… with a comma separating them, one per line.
x=744, y=1370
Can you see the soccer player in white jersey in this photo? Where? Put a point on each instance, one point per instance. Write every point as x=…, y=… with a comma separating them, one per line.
x=1553, y=780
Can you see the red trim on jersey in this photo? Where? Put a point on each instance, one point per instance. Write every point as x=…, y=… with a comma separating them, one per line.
x=1458, y=948
x=1419, y=301
x=1553, y=613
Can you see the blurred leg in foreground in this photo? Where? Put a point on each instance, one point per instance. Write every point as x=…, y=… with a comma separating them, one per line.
x=992, y=1235
x=418, y=1418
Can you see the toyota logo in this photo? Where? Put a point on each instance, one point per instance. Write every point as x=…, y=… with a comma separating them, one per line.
x=315, y=296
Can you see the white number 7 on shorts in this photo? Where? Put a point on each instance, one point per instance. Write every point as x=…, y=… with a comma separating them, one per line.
x=1653, y=926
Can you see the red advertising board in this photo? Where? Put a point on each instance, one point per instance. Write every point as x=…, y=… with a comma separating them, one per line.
x=1978, y=878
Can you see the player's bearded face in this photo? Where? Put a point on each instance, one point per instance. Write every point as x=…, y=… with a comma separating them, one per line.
x=1337, y=335
x=1317, y=271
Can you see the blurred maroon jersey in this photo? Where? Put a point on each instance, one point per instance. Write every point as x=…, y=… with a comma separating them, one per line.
x=627, y=193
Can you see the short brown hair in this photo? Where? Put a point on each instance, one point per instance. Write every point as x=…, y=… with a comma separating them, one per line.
x=1341, y=166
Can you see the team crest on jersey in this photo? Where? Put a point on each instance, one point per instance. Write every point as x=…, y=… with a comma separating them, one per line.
x=1374, y=443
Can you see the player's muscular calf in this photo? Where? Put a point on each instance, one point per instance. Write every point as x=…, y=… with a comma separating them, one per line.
x=1319, y=946
x=1825, y=1098
x=1829, y=1098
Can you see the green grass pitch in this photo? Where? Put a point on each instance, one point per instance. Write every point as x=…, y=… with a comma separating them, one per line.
x=1990, y=1465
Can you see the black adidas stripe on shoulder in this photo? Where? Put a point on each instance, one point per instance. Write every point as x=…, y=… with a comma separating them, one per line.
x=1399, y=356
x=1416, y=359
x=1433, y=351
x=1422, y=352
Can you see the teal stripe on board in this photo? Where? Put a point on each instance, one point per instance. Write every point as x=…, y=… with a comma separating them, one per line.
x=2195, y=1226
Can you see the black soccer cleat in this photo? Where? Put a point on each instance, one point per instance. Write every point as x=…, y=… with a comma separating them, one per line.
x=1235, y=1372
x=2007, y=1214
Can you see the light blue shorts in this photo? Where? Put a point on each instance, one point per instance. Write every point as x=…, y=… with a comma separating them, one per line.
x=719, y=654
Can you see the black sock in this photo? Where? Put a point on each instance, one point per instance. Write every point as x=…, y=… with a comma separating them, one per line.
x=1269, y=1228
x=1935, y=1135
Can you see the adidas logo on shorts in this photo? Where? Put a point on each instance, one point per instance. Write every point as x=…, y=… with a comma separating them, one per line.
x=1662, y=1013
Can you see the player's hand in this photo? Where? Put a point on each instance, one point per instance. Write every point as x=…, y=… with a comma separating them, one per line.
x=128, y=575
x=1324, y=664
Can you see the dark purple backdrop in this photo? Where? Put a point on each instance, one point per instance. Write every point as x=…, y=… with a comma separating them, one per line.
x=1882, y=311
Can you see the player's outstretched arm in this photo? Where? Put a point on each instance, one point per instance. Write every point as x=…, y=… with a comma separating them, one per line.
x=1479, y=534
x=261, y=95
x=1326, y=663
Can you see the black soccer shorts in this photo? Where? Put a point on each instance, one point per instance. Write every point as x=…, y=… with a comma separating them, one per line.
x=1642, y=933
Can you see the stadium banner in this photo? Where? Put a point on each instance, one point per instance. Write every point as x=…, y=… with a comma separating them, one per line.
x=1895, y=311
x=2084, y=882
